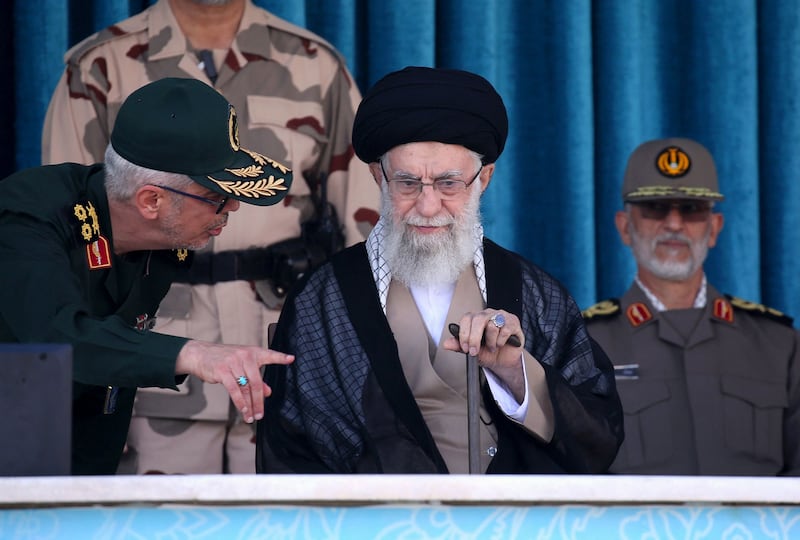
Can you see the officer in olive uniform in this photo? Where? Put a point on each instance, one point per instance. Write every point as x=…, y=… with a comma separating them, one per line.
x=88, y=252
x=709, y=383
x=296, y=101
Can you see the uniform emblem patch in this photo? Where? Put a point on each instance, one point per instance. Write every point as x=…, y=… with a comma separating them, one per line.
x=88, y=222
x=638, y=314
x=673, y=162
x=143, y=322
x=723, y=310
x=98, y=254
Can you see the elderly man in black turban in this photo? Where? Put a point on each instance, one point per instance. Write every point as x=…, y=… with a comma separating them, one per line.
x=379, y=384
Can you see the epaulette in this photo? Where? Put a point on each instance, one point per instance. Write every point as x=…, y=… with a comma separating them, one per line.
x=606, y=308
x=760, y=309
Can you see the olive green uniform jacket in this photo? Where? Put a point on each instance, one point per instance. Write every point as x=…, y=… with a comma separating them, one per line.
x=295, y=101
x=708, y=391
x=62, y=283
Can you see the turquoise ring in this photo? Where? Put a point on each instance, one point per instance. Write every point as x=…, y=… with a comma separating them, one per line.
x=242, y=380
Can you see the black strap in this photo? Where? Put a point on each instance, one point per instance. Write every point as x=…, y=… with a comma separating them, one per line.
x=248, y=264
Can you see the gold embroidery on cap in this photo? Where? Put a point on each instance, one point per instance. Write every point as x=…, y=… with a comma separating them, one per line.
x=673, y=162
x=233, y=128
x=251, y=171
x=261, y=160
x=264, y=187
x=663, y=191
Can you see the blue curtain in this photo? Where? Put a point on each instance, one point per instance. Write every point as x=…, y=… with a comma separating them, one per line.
x=584, y=81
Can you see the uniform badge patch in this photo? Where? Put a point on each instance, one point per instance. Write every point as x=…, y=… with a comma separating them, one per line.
x=673, y=162
x=87, y=221
x=98, y=254
x=723, y=310
x=638, y=314
x=143, y=322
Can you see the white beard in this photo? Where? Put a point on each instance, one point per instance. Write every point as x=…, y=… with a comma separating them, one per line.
x=430, y=259
x=644, y=250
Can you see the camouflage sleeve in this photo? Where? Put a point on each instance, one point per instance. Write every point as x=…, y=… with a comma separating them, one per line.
x=351, y=187
x=74, y=129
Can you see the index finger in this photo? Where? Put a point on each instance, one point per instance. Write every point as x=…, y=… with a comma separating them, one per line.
x=274, y=357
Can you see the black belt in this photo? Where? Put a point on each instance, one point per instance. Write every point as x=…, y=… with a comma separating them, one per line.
x=248, y=264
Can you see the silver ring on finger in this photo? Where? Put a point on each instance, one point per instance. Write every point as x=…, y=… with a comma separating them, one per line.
x=498, y=320
x=241, y=380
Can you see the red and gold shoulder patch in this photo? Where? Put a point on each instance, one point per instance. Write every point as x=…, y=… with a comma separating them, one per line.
x=638, y=314
x=723, y=310
x=98, y=254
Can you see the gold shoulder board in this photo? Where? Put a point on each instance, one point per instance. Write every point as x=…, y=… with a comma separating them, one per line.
x=760, y=309
x=602, y=309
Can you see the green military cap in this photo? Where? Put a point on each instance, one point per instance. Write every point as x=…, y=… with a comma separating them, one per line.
x=672, y=168
x=184, y=126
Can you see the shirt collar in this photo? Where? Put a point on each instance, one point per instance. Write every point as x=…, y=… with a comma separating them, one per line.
x=658, y=305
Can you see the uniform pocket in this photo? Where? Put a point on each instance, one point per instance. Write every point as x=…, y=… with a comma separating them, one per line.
x=753, y=412
x=647, y=440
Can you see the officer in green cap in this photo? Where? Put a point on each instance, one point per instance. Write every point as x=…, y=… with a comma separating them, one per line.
x=88, y=252
x=710, y=383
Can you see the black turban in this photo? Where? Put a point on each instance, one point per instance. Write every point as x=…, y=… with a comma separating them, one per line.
x=419, y=104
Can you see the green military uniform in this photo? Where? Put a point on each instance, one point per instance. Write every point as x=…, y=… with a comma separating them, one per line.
x=62, y=283
x=713, y=390
x=295, y=102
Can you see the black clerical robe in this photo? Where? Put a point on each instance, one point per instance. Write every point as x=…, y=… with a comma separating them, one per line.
x=344, y=405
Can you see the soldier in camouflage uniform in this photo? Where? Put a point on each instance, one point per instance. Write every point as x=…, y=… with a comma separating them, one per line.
x=295, y=101
x=710, y=384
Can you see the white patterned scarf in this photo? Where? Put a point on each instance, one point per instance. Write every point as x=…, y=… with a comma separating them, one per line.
x=380, y=268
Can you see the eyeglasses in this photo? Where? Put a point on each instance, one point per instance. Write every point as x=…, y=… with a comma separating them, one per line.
x=220, y=204
x=688, y=210
x=410, y=188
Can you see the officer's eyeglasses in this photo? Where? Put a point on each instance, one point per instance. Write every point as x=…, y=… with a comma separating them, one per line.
x=220, y=204
x=410, y=188
x=688, y=210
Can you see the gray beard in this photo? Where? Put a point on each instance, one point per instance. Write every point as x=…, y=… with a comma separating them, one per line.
x=430, y=259
x=172, y=230
x=670, y=270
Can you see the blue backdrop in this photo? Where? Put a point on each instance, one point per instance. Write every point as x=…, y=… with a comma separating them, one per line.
x=584, y=81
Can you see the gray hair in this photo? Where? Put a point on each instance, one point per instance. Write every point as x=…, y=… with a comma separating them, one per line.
x=123, y=178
